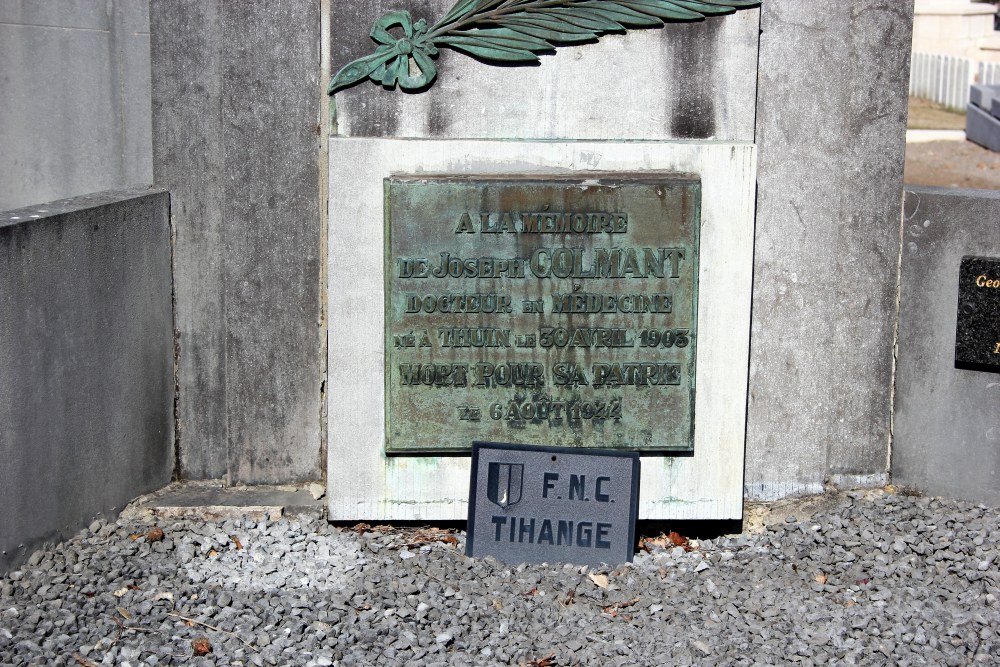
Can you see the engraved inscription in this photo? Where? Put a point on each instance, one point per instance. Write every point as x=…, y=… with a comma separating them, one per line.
x=556, y=311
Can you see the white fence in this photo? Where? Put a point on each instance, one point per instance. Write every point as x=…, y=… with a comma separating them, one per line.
x=944, y=79
x=989, y=74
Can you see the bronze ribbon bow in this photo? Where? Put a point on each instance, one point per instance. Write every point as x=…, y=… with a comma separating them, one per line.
x=390, y=64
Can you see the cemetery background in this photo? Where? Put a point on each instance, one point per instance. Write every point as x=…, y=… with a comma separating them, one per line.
x=189, y=340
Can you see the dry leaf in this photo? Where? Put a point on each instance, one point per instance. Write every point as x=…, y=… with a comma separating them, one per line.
x=613, y=609
x=120, y=592
x=155, y=534
x=820, y=579
x=83, y=662
x=547, y=661
x=124, y=612
x=428, y=535
x=599, y=579
x=236, y=541
x=213, y=553
x=532, y=593
x=679, y=540
x=134, y=536
x=201, y=646
x=165, y=596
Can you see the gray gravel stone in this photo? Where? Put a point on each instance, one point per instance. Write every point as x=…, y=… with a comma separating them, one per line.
x=872, y=579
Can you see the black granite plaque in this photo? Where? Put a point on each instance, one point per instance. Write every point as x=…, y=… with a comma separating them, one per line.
x=977, y=337
x=552, y=505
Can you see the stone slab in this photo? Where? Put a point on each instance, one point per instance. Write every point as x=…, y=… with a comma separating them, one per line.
x=982, y=95
x=49, y=154
x=946, y=420
x=188, y=159
x=237, y=98
x=982, y=128
x=86, y=347
x=132, y=40
x=828, y=212
x=72, y=14
x=88, y=52
x=272, y=245
x=977, y=332
x=684, y=81
x=210, y=502
x=363, y=483
x=552, y=505
x=926, y=136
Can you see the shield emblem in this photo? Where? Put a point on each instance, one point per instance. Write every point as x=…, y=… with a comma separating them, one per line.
x=503, y=483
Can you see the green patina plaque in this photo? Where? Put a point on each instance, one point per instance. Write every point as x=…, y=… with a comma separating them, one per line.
x=560, y=312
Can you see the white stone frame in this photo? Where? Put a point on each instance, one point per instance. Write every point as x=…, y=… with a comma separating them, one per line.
x=364, y=484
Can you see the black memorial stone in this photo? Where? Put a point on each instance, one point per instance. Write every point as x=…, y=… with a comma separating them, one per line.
x=553, y=505
x=977, y=337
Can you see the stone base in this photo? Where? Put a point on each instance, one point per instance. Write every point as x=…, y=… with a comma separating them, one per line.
x=365, y=484
x=211, y=501
x=86, y=362
x=982, y=96
x=982, y=128
x=947, y=420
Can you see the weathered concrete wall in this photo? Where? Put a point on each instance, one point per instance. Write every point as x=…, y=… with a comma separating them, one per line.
x=236, y=125
x=830, y=129
x=947, y=421
x=684, y=81
x=74, y=113
x=236, y=117
x=86, y=348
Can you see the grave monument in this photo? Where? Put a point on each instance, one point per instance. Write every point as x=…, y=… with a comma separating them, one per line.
x=791, y=116
x=564, y=290
x=278, y=238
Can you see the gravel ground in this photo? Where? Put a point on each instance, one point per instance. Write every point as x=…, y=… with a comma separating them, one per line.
x=867, y=578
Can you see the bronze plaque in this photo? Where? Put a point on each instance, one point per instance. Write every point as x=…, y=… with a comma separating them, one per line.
x=556, y=311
